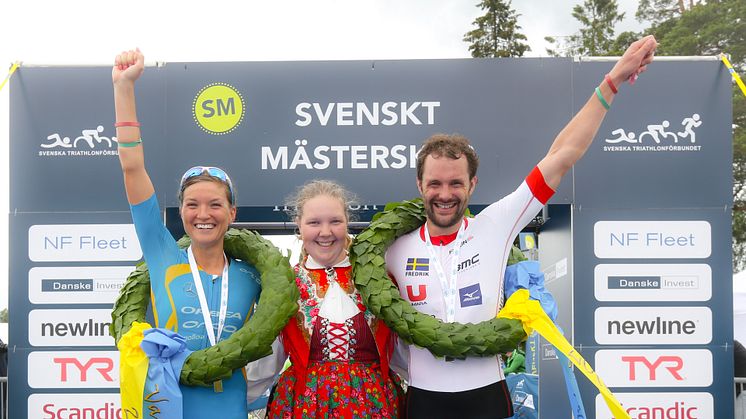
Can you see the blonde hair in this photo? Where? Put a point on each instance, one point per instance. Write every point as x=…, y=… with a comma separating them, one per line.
x=312, y=189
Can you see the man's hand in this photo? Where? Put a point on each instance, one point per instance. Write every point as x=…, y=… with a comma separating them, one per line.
x=128, y=66
x=634, y=61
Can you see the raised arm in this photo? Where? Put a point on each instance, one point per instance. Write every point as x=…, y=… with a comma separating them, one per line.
x=128, y=66
x=575, y=138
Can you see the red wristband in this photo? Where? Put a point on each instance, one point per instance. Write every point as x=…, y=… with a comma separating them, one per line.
x=611, y=84
x=126, y=124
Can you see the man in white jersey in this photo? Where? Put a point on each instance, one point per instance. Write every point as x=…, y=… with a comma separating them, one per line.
x=464, y=257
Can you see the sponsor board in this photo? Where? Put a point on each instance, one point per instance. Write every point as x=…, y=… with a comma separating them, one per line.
x=660, y=406
x=73, y=369
x=548, y=351
x=653, y=282
x=652, y=239
x=83, y=243
x=653, y=325
x=75, y=406
x=655, y=367
x=76, y=285
x=69, y=327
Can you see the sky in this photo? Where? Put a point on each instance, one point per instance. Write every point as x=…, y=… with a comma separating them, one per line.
x=84, y=32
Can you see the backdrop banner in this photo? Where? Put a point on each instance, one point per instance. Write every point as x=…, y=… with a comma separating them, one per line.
x=651, y=201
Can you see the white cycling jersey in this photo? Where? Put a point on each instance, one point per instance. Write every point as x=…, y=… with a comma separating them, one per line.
x=479, y=283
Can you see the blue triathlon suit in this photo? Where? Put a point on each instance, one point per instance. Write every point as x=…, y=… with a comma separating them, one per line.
x=176, y=307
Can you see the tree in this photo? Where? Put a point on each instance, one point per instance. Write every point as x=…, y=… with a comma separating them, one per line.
x=496, y=33
x=656, y=11
x=596, y=34
x=598, y=18
x=4, y=315
x=697, y=28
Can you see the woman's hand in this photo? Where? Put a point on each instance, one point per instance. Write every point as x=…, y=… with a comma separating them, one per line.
x=634, y=61
x=128, y=66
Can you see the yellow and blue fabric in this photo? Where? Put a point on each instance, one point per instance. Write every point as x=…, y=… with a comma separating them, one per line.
x=150, y=365
x=527, y=275
x=176, y=307
x=521, y=307
x=166, y=352
x=133, y=370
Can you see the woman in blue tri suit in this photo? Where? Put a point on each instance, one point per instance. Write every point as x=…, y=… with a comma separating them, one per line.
x=199, y=292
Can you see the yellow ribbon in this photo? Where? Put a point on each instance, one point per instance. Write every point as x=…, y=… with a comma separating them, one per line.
x=530, y=313
x=733, y=73
x=133, y=369
x=13, y=69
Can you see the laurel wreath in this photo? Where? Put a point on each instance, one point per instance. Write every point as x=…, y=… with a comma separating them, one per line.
x=278, y=302
x=381, y=296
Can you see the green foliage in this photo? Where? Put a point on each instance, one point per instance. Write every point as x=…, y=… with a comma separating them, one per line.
x=278, y=302
x=597, y=18
x=709, y=29
x=656, y=11
x=496, y=33
x=382, y=298
x=4, y=315
x=596, y=34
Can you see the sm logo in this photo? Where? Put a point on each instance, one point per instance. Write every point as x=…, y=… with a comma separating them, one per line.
x=218, y=108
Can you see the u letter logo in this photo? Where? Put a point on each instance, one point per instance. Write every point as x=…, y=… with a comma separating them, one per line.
x=421, y=293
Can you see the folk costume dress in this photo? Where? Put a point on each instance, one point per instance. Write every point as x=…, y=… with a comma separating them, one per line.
x=339, y=352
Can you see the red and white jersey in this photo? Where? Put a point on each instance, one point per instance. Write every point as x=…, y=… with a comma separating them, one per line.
x=484, y=251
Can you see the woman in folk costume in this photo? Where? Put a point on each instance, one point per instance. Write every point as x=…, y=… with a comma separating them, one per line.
x=339, y=351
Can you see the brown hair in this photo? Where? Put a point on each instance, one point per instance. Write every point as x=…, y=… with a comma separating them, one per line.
x=312, y=189
x=452, y=146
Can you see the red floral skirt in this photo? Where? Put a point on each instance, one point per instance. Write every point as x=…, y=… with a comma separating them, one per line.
x=346, y=390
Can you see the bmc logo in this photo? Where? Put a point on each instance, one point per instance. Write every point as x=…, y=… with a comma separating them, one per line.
x=95, y=369
x=655, y=368
x=660, y=406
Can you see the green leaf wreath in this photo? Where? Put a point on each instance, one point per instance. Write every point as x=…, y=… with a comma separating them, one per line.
x=277, y=304
x=381, y=296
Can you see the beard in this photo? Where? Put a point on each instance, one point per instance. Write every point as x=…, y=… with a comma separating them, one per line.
x=443, y=221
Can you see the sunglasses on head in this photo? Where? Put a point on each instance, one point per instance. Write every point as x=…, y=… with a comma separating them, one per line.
x=215, y=172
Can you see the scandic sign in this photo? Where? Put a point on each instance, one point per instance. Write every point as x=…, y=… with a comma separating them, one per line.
x=660, y=406
x=653, y=325
x=75, y=406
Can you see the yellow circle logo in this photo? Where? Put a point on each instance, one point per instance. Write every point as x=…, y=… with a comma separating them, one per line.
x=218, y=108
